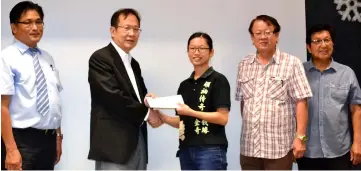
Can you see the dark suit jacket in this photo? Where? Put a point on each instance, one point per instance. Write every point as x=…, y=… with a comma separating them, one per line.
x=116, y=113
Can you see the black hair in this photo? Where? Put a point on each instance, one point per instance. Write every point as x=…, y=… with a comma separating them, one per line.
x=203, y=35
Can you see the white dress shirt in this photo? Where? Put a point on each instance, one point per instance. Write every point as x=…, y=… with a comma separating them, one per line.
x=18, y=77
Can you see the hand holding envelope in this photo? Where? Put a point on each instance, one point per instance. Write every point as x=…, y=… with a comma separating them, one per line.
x=154, y=118
x=185, y=110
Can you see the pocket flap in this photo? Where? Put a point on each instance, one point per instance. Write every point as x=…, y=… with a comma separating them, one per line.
x=339, y=86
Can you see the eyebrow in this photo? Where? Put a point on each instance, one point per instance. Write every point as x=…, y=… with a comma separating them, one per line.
x=39, y=19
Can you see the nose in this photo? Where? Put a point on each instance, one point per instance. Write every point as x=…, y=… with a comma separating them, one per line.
x=323, y=44
x=263, y=36
x=131, y=32
x=33, y=26
x=197, y=51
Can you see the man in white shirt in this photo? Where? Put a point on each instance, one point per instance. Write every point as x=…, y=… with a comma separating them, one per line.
x=30, y=96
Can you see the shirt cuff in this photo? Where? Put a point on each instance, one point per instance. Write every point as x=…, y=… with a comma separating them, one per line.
x=146, y=116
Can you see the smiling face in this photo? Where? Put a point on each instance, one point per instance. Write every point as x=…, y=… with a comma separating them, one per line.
x=29, y=28
x=321, y=46
x=126, y=33
x=263, y=36
x=199, y=52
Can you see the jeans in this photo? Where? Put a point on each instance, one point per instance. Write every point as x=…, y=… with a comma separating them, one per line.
x=210, y=157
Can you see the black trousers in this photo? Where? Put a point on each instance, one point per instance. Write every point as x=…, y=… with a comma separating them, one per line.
x=357, y=167
x=338, y=163
x=37, y=148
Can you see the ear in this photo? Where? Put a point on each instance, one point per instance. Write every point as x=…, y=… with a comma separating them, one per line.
x=112, y=31
x=211, y=53
x=277, y=37
x=308, y=48
x=252, y=38
x=13, y=28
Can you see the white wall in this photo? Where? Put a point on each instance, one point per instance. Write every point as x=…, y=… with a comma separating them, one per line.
x=75, y=29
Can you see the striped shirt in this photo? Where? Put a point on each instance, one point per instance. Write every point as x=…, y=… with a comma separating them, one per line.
x=269, y=93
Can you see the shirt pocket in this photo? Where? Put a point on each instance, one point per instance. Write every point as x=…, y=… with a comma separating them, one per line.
x=59, y=86
x=52, y=75
x=247, y=85
x=277, y=88
x=337, y=93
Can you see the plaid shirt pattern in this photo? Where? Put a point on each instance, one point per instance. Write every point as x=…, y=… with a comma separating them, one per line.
x=269, y=93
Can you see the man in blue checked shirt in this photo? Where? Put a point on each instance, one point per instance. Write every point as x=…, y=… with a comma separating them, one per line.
x=337, y=96
x=31, y=138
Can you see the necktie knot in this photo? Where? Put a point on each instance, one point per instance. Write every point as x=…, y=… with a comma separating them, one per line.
x=33, y=51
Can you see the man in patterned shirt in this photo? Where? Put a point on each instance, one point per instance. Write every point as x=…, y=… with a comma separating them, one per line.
x=273, y=90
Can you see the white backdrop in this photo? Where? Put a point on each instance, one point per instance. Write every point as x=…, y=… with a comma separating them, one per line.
x=75, y=29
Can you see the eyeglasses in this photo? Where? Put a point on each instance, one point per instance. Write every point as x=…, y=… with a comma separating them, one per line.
x=127, y=29
x=266, y=33
x=200, y=49
x=327, y=41
x=29, y=24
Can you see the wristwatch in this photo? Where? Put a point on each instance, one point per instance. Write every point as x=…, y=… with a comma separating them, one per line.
x=303, y=138
x=59, y=135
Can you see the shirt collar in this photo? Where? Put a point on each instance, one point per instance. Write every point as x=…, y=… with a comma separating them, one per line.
x=209, y=71
x=125, y=56
x=334, y=65
x=276, y=57
x=22, y=47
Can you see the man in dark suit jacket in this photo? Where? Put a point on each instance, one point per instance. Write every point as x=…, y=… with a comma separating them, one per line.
x=118, y=129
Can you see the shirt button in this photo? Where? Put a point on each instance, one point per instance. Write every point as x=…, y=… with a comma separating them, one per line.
x=195, y=83
x=194, y=89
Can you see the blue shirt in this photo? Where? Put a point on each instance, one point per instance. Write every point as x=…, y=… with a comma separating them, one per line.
x=18, y=80
x=328, y=127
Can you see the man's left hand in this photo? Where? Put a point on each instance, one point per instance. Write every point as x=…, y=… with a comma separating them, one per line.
x=299, y=148
x=151, y=95
x=356, y=153
x=58, y=149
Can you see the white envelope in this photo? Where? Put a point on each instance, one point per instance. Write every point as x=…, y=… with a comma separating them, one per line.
x=168, y=102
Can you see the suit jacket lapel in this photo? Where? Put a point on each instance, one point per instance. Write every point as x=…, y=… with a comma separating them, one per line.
x=121, y=68
x=137, y=78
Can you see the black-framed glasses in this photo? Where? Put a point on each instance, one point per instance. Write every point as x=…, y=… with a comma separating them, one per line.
x=200, y=49
x=327, y=41
x=127, y=29
x=29, y=24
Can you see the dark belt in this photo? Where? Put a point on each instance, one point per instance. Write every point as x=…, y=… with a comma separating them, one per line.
x=35, y=130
